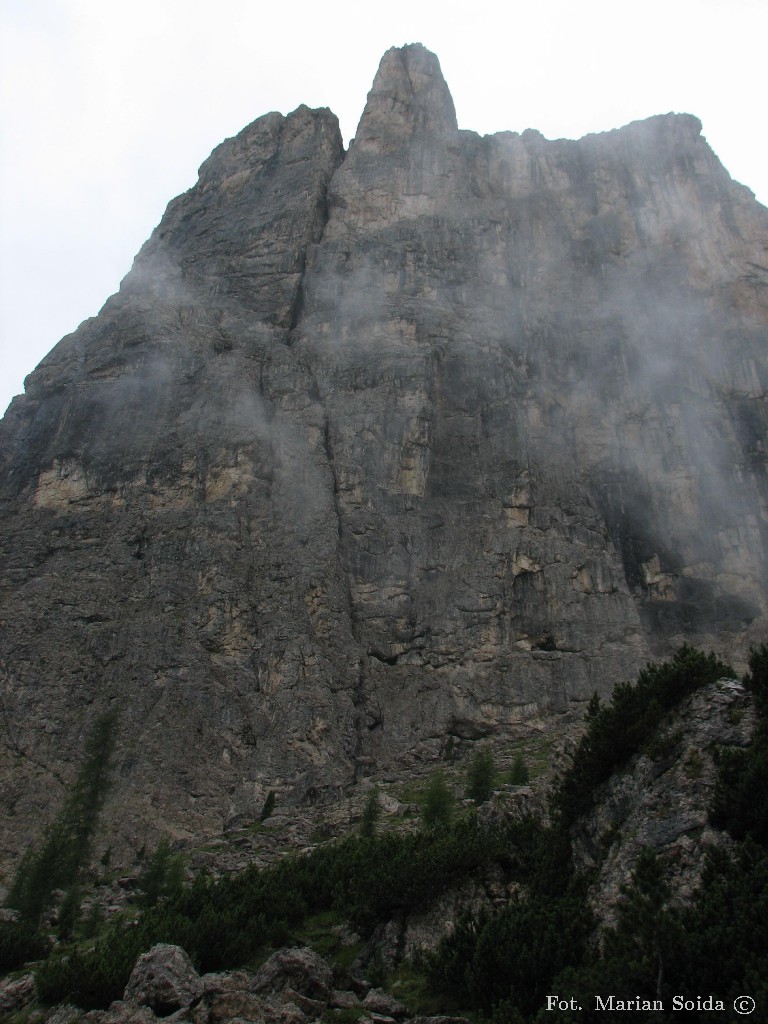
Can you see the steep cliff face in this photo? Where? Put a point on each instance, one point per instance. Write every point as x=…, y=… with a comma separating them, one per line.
x=156, y=486
x=371, y=449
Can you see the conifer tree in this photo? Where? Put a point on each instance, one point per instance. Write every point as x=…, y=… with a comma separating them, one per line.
x=67, y=846
x=519, y=774
x=481, y=776
x=269, y=806
x=371, y=814
x=163, y=877
x=438, y=801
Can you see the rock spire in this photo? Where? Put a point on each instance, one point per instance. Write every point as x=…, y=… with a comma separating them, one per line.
x=409, y=97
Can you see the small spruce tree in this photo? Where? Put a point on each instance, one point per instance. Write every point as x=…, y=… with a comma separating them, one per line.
x=371, y=814
x=481, y=776
x=69, y=914
x=519, y=774
x=438, y=801
x=58, y=864
x=269, y=806
x=637, y=947
x=163, y=877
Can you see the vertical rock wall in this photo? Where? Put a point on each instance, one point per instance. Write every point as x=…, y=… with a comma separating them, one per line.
x=373, y=449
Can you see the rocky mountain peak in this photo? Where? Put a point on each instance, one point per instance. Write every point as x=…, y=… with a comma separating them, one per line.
x=380, y=453
x=409, y=97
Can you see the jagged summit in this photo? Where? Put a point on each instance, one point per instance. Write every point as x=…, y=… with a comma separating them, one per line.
x=409, y=96
x=380, y=452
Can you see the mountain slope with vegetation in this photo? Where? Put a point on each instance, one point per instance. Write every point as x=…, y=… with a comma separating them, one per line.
x=541, y=918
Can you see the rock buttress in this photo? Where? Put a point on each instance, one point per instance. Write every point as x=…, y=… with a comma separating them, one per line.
x=168, y=542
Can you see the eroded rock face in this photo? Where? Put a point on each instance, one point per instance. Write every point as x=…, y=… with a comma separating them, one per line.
x=372, y=449
x=155, y=497
x=16, y=993
x=662, y=801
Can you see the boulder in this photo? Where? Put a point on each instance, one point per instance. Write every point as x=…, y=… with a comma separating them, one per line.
x=119, y=1012
x=165, y=980
x=235, y=1003
x=232, y=995
x=312, y=1008
x=227, y=981
x=343, y=1000
x=16, y=993
x=301, y=970
x=65, y=1014
x=244, y=1006
x=380, y=1002
x=280, y=1012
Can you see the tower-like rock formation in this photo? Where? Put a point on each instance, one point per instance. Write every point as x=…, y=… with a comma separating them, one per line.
x=380, y=447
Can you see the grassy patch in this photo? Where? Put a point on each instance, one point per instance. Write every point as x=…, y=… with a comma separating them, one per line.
x=345, y=956
x=536, y=752
x=256, y=828
x=411, y=792
x=411, y=987
x=415, y=791
x=318, y=932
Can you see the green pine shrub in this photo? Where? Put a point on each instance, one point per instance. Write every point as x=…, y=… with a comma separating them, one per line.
x=618, y=730
x=269, y=806
x=481, y=776
x=740, y=803
x=371, y=814
x=519, y=774
x=437, y=808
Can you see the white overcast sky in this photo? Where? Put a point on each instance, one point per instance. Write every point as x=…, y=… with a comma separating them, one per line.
x=108, y=108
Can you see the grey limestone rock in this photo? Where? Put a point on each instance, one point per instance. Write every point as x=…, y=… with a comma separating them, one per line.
x=299, y=970
x=120, y=1012
x=227, y=981
x=662, y=801
x=343, y=1000
x=238, y=1004
x=15, y=993
x=425, y=439
x=64, y=1014
x=266, y=996
x=165, y=980
x=381, y=1002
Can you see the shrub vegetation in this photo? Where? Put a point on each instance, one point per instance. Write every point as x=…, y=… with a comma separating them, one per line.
x=500, y=962
x=61, y=860
x=481, y=776
x=437, y=807
x=616, y=731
